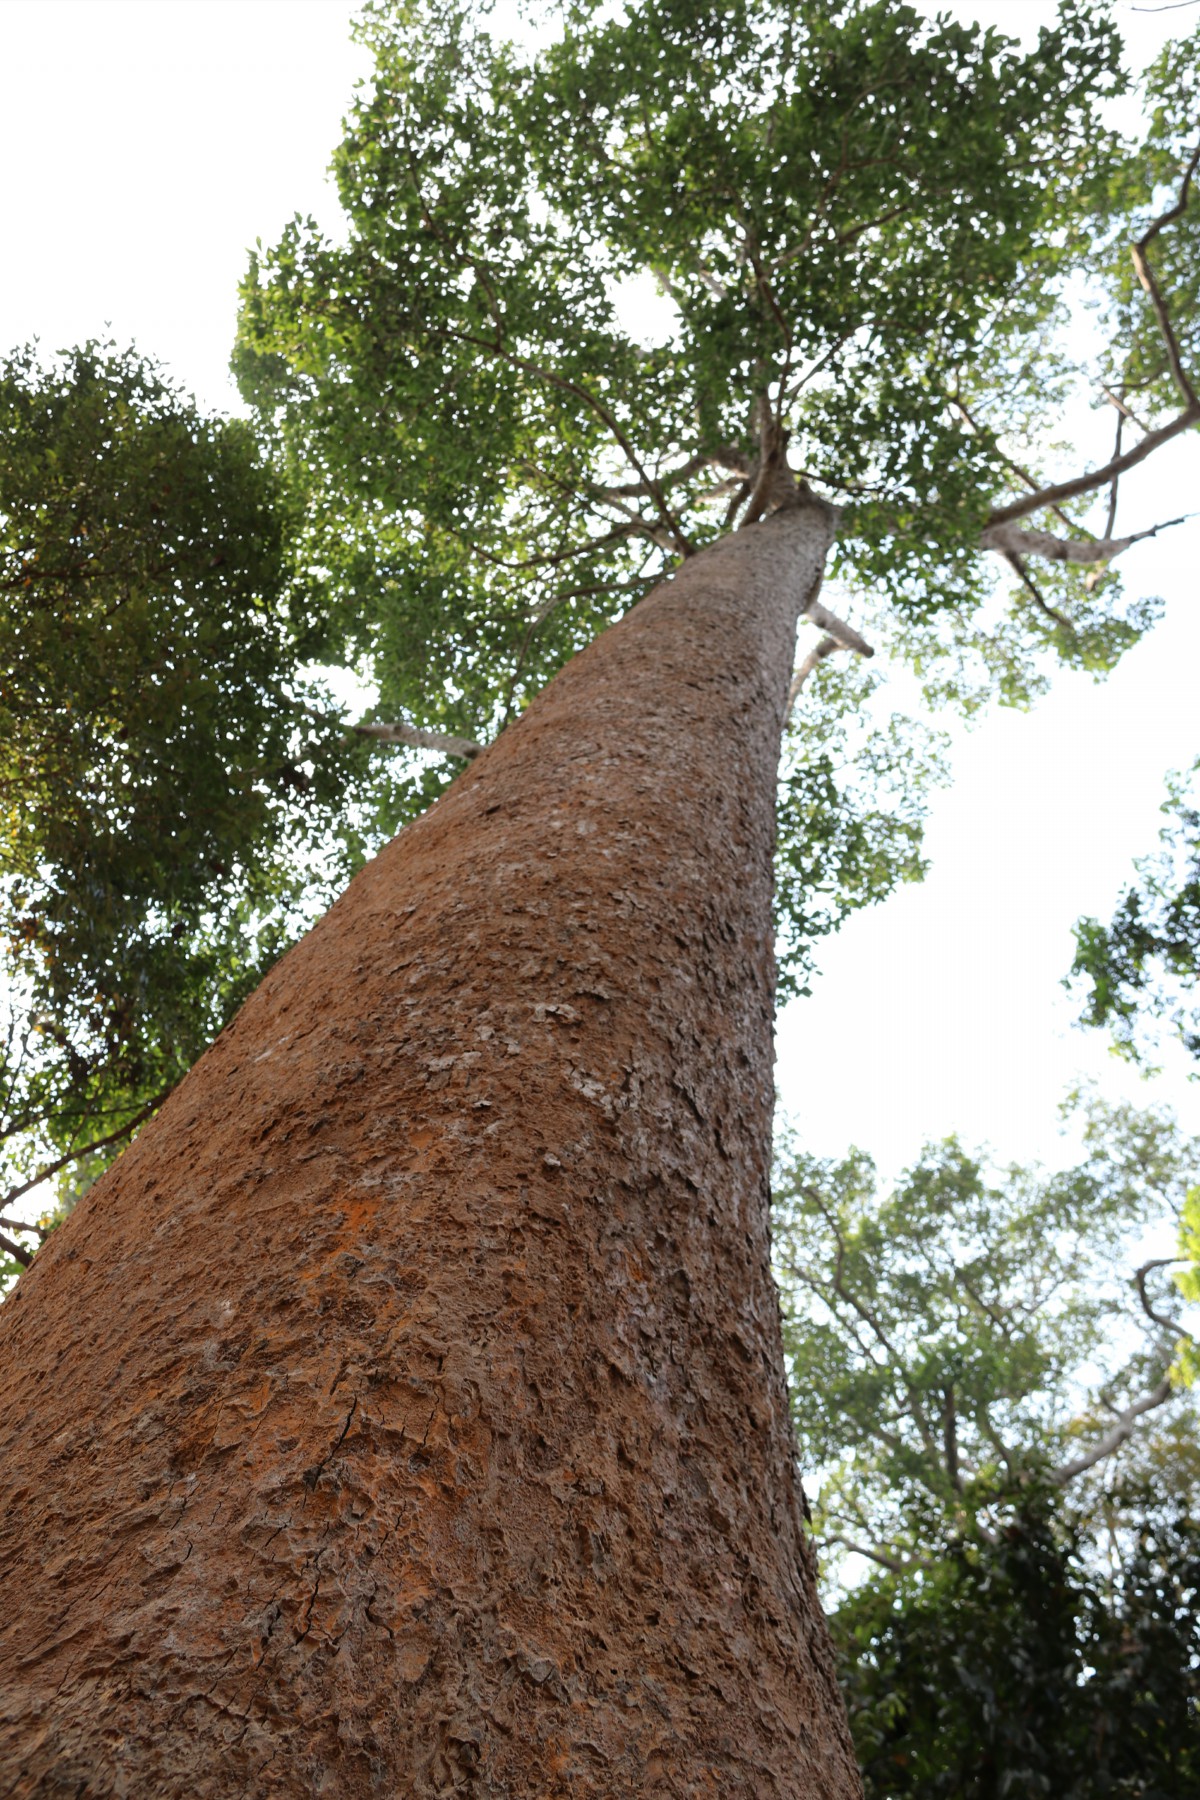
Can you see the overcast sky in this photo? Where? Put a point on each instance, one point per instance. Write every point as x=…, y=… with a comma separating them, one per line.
x=147, y=143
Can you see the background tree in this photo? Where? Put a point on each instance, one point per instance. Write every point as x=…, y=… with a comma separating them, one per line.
x=1142, y=967
x=1144, y=963
x=985, y=1385
x=165, y=800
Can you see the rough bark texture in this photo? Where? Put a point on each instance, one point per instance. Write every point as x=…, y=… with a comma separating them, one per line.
x=404, y=1413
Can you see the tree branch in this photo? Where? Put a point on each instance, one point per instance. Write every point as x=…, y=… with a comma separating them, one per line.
x=1169, y=1325
x=880, y=1556
x=1145, y=275
x=102, y=1143
x=1030, y=481
x=631, y=490
x=1031, y=587
x=1129, y=459
x=17, y=1251
x=1097, y=478
x=950, y=1437
x=398, y=732
x=1126, y=411
x=1112, y=1440
x=837, y=628
x=1012, y=540
x=1111, y=520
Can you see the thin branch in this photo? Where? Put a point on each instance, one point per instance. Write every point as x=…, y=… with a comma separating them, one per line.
x=20, y=1225
x=837, y=628
x=1112, y=492
x=1031, y=587
x=1112, y=1440
x=950, y=1438
x=916, y=1411
x=553, y=559
x=102, y=1143
x=1169, y=1325
x=654, y=491
x=1145, y=275
x=984, y=1419
x=632, y=490
x=1031, y=481
x=1129, y=459
x=1122, y=407
x=880, y=1556
x=17, y=1251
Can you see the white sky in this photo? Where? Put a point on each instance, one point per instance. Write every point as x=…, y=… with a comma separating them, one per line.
x=145, y=144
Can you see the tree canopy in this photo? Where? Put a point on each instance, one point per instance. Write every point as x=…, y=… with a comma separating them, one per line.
x=859, y=229
x=165, y=800
x=988, y=1379
x=862, y=229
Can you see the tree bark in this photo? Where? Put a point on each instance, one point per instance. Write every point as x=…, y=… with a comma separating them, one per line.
x=404, y=1413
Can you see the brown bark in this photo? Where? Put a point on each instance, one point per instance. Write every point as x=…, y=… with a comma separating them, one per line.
x=404, y=1413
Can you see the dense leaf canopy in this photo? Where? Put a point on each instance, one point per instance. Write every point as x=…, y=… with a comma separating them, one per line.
x=1022, y=1665
x=591, y=295
x=155, y=806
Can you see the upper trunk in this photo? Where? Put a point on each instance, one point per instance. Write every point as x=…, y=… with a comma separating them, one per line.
x=405, y=1412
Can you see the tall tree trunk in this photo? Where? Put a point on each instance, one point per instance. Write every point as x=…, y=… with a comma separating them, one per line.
x=404, y=1413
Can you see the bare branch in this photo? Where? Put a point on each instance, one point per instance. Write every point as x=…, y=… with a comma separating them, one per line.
x=1096, y=478
x=1129, y=459
x=1034, y=591
x=1112, y=1440
x=1031, y=482
x=1126, y=411
x=1012, y=540
x=398, y=732
x=20, y=1225
x=1111, y=520
x=722, y=458
x=552, y=558
x=1169, y=1325
x=712, y=282
x=837, y=628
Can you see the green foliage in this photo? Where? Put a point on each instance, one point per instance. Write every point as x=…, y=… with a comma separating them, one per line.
x=961, y=1349
x=1136, y=191
x=1143, y=966
x=859, y=224
x=467, y=458
x=1018, y=1667
x=161, y=784
x=959, y=1338
x=852, y=791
